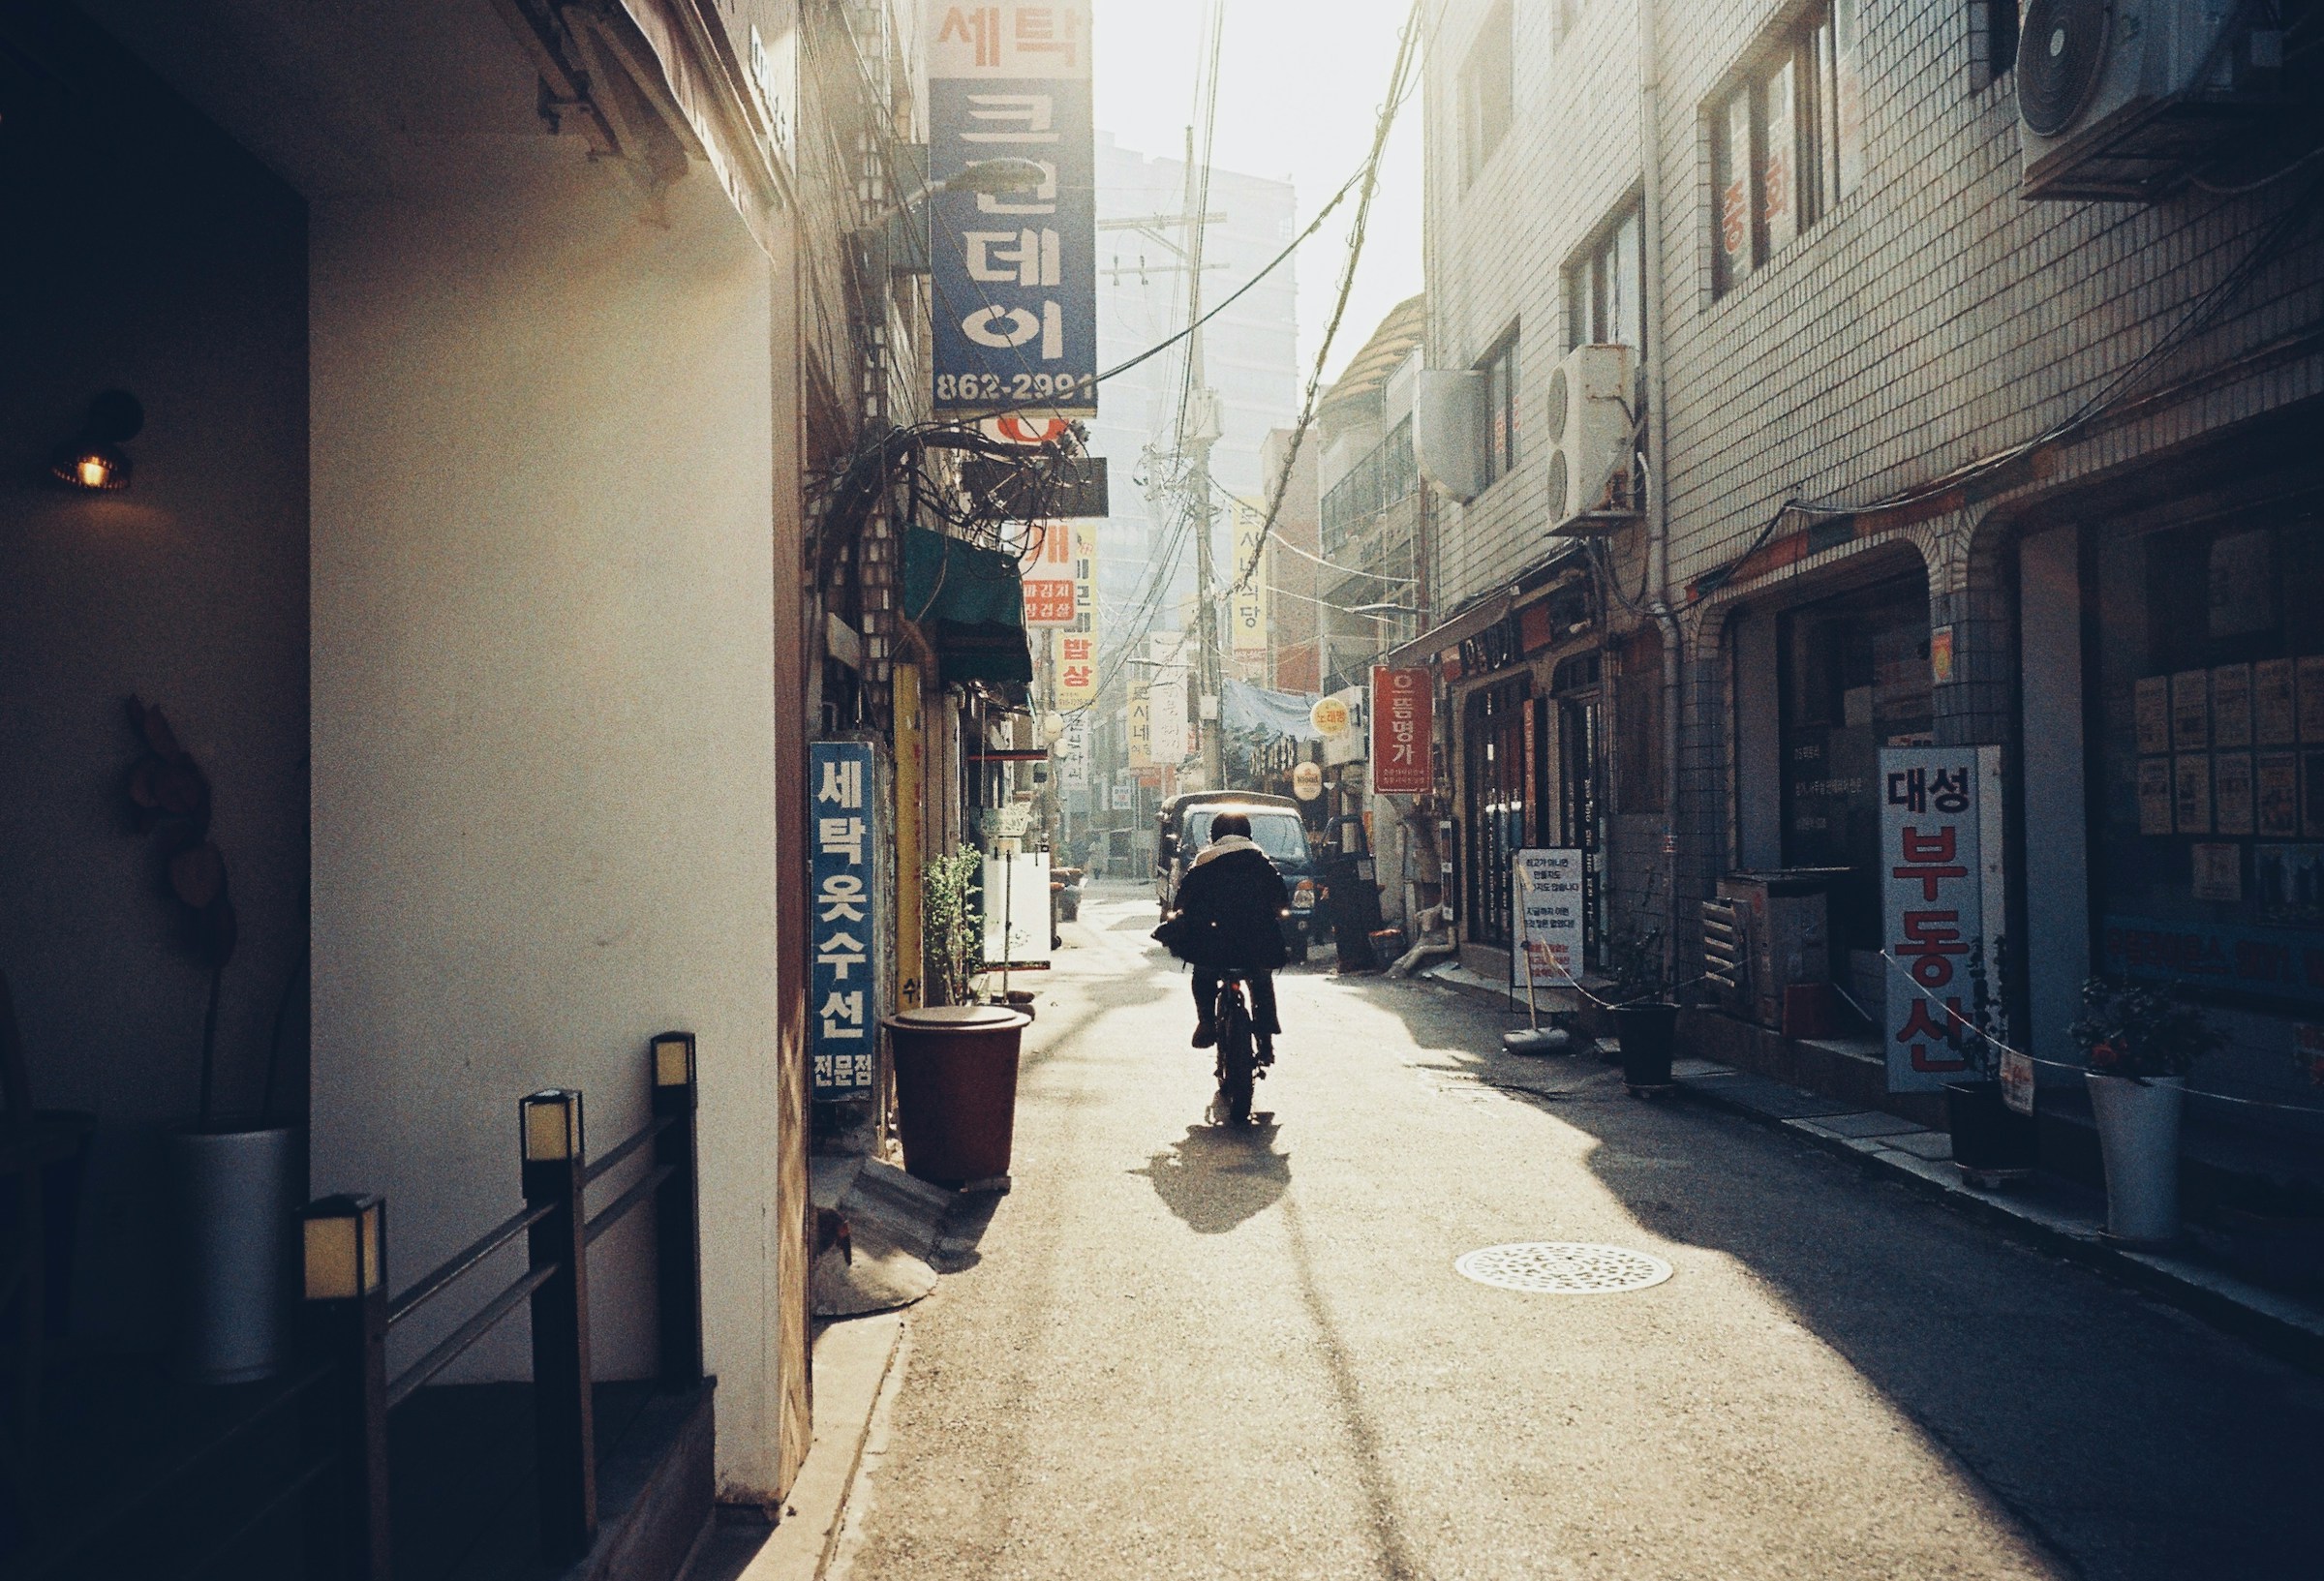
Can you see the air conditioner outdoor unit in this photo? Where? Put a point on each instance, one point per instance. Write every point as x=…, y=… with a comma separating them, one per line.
x=2122, y=99
x=1589, y=432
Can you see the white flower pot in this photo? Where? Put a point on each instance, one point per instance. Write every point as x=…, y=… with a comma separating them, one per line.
x=233, y=1194
x=2138, y=1137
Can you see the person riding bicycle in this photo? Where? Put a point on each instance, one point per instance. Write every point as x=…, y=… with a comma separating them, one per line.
x=1229, y=908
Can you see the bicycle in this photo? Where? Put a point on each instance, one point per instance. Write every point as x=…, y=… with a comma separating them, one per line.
x=1237, y=1052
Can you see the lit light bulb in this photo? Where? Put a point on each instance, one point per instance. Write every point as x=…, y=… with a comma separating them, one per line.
x=93, y=471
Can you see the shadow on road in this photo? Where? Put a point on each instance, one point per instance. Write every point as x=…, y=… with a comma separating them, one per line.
x=1217, y=1177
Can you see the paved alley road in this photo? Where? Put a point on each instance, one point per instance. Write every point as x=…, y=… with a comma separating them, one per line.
x=1188, y=1351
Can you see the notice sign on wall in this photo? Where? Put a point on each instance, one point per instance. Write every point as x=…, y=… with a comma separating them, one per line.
x=1545, y=902
x=1400, y=729
x=1014, y=273
x=1941, y=860
x=843, y=918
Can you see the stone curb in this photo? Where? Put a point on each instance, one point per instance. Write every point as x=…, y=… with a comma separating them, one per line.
x=2281, y=1325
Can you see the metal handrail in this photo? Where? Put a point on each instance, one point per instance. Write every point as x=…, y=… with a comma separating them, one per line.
x=644, y=1134
x=468, y=1333
x=432, y=1284
x=648, y=1183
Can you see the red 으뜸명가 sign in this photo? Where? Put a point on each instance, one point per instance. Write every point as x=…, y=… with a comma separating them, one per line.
x=1401, y=702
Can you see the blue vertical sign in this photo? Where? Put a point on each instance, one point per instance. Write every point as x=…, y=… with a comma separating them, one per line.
x=1014, y=275
x=843, y=916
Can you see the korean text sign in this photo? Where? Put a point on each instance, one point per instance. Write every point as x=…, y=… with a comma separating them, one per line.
x=842, y=915
x=1014, y=275
x=1247, y=609
x=1940, y=855
x=1548, y=897
x=1052, y=592
x=1401, y=730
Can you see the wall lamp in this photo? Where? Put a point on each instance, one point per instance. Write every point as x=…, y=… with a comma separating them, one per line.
x=93, y=457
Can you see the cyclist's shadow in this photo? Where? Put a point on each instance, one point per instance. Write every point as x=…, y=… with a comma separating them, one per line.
x=1216, y=1176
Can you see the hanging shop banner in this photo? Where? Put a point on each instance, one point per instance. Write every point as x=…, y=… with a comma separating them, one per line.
x=1014, y=274
x=1167, y=718
x=1073, y=751
x=1246, y=614
x=844, y=917
x=1051, y=597
x=1546, y=899
x=1941, y=858
x=1401, y=727
x=1141, y=726
x=1076, y=656
x=1017, y=909
x=1085, y=576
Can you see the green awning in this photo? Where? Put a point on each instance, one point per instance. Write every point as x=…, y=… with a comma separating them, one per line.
x=969, y=602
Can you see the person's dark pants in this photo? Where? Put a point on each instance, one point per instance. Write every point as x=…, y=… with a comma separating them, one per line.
x=1262, y=984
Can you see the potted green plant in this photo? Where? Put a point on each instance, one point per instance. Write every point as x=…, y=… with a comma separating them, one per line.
x=233, y=1187
x=1645, y=1018
x=2140, y=1040
x=1992, y=1142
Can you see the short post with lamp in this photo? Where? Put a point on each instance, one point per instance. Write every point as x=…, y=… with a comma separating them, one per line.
x=677, y=1213
x=564, y=1416
x=343, y=1416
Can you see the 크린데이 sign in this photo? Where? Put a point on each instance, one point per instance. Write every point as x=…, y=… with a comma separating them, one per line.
x=1014, y=275
x=842, y=917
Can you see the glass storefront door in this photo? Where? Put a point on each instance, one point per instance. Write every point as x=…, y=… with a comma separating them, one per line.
x=1497, y=807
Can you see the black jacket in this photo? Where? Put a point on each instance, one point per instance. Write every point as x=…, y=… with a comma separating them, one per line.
x=1231, y=906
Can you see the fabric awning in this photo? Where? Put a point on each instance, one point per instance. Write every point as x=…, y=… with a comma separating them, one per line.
x=1245, y=707
x=969, y=602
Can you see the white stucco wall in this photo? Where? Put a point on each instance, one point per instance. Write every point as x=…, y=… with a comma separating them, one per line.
x=543, y=724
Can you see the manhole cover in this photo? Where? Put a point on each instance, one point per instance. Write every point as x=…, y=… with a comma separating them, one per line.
x=1551, y=1268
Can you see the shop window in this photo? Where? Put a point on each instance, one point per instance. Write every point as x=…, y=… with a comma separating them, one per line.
x=1499, y=740
x=2207, y=845
x=1638, y=724
x=1500, y=370
x=1785, y=141
x=1606, y=287
x=1487, y=90
x=1854, y=678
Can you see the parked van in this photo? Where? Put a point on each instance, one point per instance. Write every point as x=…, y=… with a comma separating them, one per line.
x=1183, y=829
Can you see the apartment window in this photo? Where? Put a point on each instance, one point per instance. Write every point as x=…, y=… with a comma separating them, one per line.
x=1785, y=141
x=1487, y=90
x=1500, y=370
x=1606, y=287
x=1997, y=29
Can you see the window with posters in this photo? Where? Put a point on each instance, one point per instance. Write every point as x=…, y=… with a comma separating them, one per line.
x=1854, y=679
x=2207, y=750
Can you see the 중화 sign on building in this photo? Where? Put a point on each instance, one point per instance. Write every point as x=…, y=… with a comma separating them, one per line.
x=1014, y=275
x=842, y=914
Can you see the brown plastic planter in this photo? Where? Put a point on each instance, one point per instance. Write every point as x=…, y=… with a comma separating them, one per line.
x=956, y=1089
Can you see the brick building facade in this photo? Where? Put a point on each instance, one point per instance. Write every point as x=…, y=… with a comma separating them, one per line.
x=1906, y=422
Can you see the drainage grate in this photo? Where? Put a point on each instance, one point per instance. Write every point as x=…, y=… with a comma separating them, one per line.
x=1549, y=1268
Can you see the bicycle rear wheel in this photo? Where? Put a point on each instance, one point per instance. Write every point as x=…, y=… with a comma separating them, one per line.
x=1235, y=1058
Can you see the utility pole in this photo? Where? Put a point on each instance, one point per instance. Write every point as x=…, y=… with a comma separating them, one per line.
x=1204, y=426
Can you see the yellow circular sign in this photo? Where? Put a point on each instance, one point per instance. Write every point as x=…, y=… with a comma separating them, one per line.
x=1330, y=716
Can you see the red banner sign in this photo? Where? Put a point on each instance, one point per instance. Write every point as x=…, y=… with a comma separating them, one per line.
x=1401, y=700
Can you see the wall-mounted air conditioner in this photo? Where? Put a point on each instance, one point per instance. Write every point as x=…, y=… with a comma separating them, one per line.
x=1589, y=429
x=2122, y=99
x=1448, y=430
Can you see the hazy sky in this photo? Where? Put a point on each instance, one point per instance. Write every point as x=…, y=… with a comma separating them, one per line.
x=1300, y=87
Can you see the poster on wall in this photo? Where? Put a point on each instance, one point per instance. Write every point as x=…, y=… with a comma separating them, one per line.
x=2275, y=712
x=1401, y=701
x=2231, y=706
x=1014, y=274
x=1941, y=857
x=2151, y=698
x=2231, y=793
x=843, y=918
x=1546, y=910
x=2312, y=697
x=2153, y=795
x=2218, y=871
x=2190, y=711
x=2277, y=790
x=2191, y=793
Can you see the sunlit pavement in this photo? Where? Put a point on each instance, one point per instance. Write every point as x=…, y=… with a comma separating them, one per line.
x=1183, y=1351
